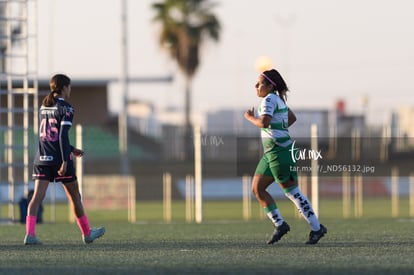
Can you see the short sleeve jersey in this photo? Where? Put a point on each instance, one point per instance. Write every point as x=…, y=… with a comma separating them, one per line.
x=277, y=132
x=54, y=125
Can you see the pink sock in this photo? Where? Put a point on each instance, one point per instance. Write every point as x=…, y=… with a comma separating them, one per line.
x=83, y=224
x=31, y=225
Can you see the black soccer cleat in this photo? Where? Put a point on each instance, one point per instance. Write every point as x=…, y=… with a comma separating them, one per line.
x=315, y=236
x=279, y=232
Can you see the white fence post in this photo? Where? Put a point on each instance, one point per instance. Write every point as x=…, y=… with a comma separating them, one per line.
x=346, y=195
x=314, y=167
x=247, y=201
x=198, y=175
x=358, y=195
x=394, y=192
x=167, y=197
x=78, y=162
x=189, y=198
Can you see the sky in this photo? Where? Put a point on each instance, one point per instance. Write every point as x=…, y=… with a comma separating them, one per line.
x=361, y=51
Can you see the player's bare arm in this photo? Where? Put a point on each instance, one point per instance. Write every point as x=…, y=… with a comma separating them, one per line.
x=262, y=121
x=62, y=169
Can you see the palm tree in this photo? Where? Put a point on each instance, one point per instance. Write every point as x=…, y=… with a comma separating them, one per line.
x=185, y=25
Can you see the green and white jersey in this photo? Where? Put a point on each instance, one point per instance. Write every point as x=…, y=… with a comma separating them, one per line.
x=277, y=132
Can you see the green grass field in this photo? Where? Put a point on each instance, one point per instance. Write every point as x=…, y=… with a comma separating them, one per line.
x=223, y=244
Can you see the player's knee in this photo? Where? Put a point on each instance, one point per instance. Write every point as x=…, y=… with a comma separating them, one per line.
x=258, y=192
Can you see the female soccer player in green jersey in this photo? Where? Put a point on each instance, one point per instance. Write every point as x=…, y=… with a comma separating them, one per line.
x=274, y=118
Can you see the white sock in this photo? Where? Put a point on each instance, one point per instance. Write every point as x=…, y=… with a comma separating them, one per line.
x=305, y=208
x=275, y=216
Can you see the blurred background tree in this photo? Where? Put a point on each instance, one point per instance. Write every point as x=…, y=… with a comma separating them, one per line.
x=184, y=26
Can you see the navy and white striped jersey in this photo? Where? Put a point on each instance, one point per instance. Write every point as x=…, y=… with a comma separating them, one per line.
x=54, y=125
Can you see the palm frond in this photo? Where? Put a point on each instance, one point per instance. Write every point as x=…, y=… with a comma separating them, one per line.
x=185, y=25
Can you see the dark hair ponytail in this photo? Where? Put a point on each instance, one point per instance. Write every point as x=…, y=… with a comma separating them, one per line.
x=56, y=83
x=278, y=82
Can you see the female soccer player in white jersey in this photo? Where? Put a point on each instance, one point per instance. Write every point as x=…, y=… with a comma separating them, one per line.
x=274, y=118
x=53, y=160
